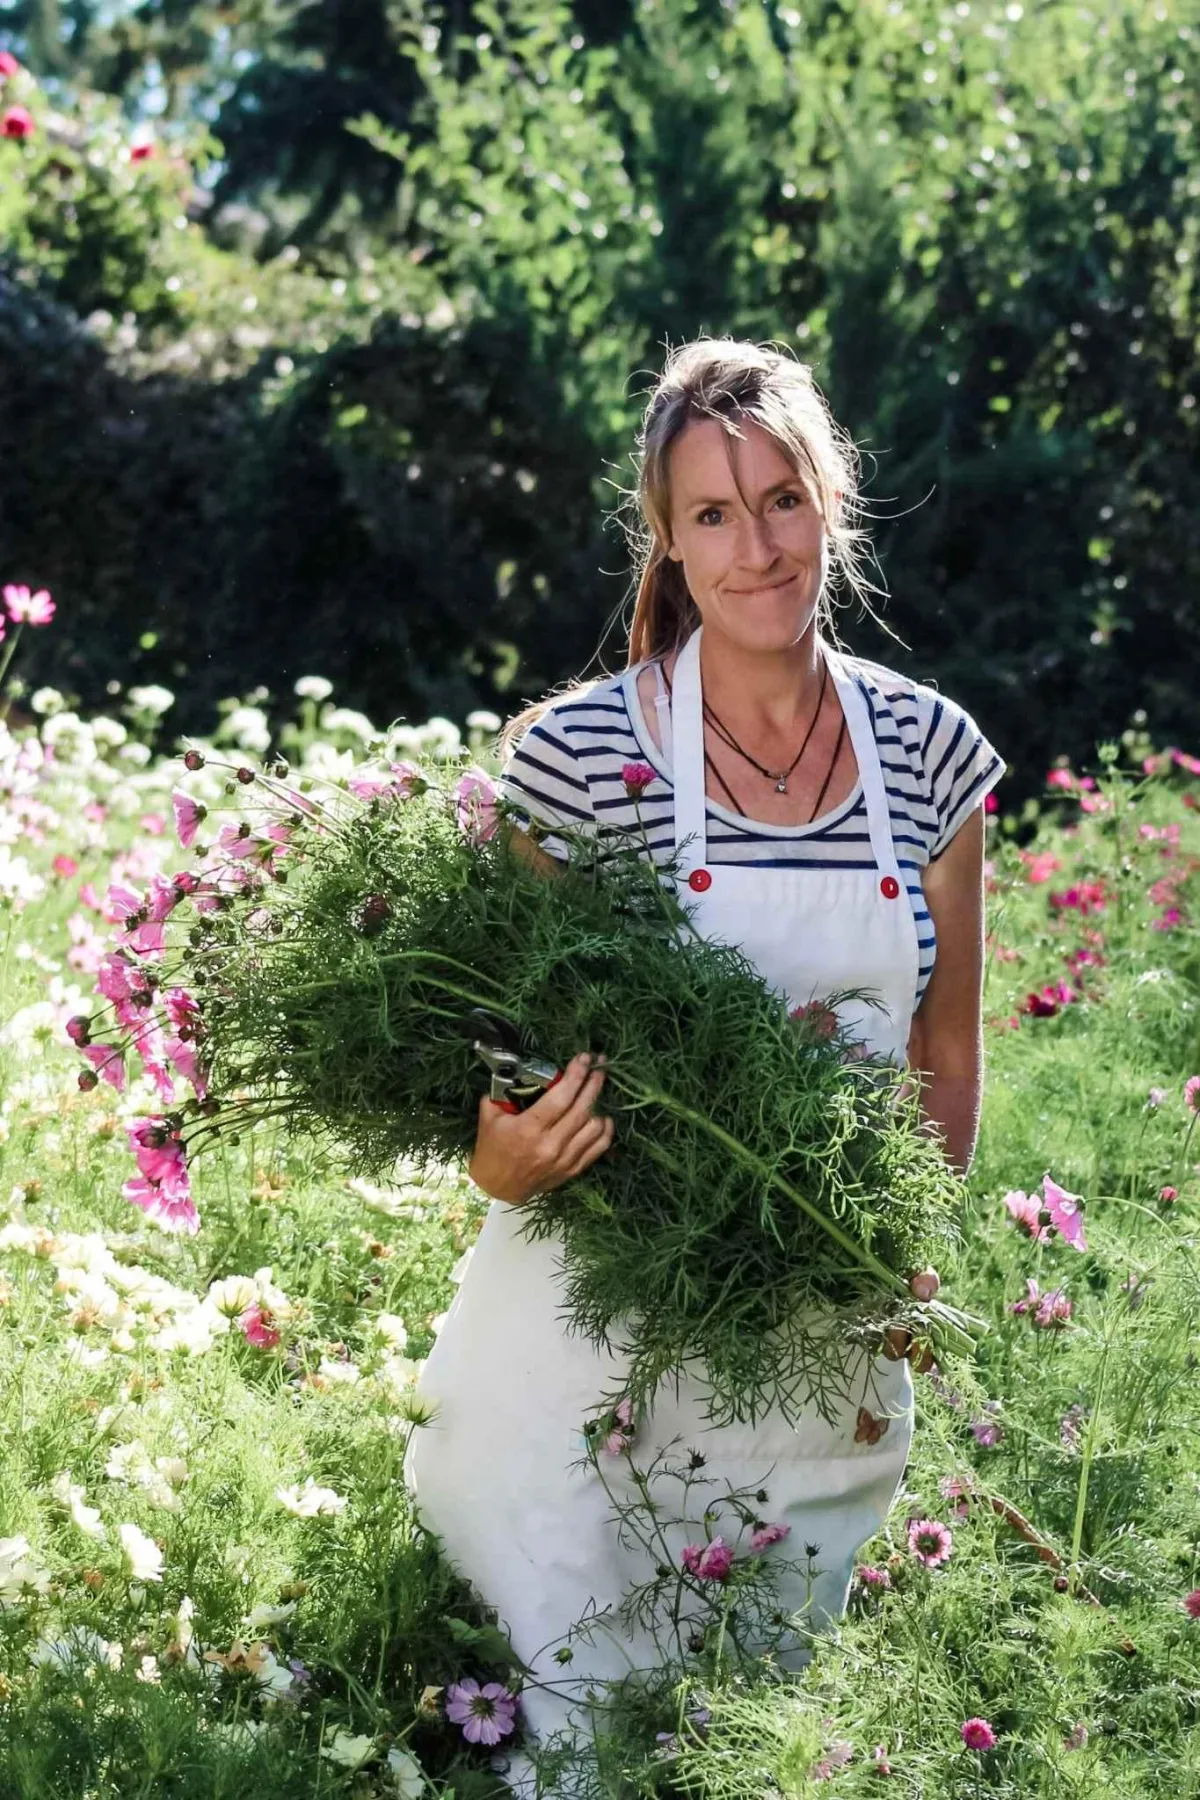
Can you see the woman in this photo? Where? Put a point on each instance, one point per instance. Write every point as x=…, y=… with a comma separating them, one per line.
x=828, y=814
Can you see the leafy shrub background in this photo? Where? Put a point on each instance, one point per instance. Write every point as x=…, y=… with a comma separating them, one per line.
x=343, y=376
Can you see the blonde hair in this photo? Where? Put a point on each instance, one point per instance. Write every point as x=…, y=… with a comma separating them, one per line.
x=730, y=380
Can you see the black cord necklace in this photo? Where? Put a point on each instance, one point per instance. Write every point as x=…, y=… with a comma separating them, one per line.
x=778, y=776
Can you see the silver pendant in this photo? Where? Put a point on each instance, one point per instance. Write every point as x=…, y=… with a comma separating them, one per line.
x=781, y=785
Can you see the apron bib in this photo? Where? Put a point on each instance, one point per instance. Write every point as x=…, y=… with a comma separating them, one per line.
x=492, y=1475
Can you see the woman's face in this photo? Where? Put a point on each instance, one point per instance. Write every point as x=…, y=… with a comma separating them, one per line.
x=754, y=569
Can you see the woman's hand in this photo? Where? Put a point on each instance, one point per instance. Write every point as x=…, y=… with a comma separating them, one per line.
x=517, y=1155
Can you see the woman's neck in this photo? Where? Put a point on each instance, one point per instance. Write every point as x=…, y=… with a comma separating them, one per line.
x=769, y=692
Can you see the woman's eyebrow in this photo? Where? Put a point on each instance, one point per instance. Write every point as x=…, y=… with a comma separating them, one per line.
x=792, y=481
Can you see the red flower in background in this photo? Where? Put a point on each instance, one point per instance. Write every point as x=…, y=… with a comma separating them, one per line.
x=17, y=122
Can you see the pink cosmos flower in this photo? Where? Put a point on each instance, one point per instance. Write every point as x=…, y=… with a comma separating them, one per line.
x=1040, y=865
x=108, y=1063
x=1066, y=1210
x=169, y=1206
x=710, y=1562
x=1060, y=778
x=637, y=777
x=485, y=1713
x=258, y=1329
x=1191, y=1604
x=977, y=1734
x=954, y=1489
x=1025, y=1209
x=25, y=608
x=987, y=1433
x=1191, y=1093
x=189, y=816
x=9, y=65
x=476, y=794
x=870, y=1577
x=158, y=1150
x=1052, y=1310
x=185, y=1059
x=621, y=1435
x=17, y=122
x=1182, y=760
x=238, y=844
x=991, y=804
x=765, y=1535
x=817, y=1018
x=397, y=784
x=1168, y=1193
x=64, y=867
x=1167, y=921
x=930, y=1541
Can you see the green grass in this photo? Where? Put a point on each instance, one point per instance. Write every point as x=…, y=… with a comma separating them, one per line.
x=1097, y=1445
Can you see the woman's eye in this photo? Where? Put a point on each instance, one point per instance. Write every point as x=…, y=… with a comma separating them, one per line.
x=797, y=499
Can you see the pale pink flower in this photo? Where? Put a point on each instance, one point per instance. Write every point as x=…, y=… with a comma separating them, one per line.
x=475, y=793
x=637, y=777
x=25, y=608
x=1025, y=1208
x=485, y=1713
x=8, y=65
x=189, y=816
x=930, y=1541
x=1053, y=1309
x=257, y=1327
x=987, y=1433
x=1191, y=1093
x=169, y=1205
x=1155, y=1098
x=1066, y=1210
x=765, y=1535
x=870, y=1577
x=1077, y=1737
x=977, y=1734
x=620, y=1436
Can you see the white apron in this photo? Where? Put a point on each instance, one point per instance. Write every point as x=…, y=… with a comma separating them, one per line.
x=492, y=1474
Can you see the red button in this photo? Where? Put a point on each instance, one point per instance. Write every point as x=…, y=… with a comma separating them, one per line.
x=889, y=887
x=699, y=880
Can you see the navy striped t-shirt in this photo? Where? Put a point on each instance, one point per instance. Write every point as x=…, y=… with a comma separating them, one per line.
x=937, y=767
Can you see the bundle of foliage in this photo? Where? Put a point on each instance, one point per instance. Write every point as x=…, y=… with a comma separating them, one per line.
x=770, y=1191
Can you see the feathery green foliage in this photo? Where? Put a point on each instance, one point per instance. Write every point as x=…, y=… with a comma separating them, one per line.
x=767, y=1193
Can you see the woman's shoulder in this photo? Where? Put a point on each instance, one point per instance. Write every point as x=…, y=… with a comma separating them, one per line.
x=918, y=709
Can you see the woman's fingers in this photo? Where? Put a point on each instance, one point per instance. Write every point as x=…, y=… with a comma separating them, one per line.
x=589, y=1146
x=550, y=1108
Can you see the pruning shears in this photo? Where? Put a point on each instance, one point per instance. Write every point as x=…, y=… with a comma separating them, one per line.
x=516, y=1078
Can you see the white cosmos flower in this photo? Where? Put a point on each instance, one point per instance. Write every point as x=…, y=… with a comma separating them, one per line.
x=247, y=727
x=313, y=687
x=407, y=1773
x=392, y=1329
x=344, y=718
x=21, y=1575
x=70, y=1495
x=343, y=1373
x=148, y=1670
x=309, y=1500
x=351, y=1752
x=46, y=700
x=78, y=1647
x=143, y=1555
x=261, y=1618
x=233, y=1295
x=152, y=699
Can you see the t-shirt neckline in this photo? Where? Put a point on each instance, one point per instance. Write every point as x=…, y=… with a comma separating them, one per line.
x=753, y=827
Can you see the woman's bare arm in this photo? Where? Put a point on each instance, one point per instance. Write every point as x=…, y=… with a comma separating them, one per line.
x=945, y=1045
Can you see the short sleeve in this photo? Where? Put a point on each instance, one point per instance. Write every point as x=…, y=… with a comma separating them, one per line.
x=961, y=766
x=542, y=778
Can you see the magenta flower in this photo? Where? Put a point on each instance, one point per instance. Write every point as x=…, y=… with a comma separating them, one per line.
x=158, y=1151
x=257, y=1327
x=108, y=1063
x=637, y=777
x=189, y=816
x=25, y=608
x=709, y=1562
x=486, y=1713
x=185, y=1060
x=1066, y=1210
x=1191, y=1093
x=475, y=793
x=1025, y=1209
x=977, y=1734
x=930, y=1542
x=987, y=1433
x=765, y=1535
x=17, y=122
x=1191, y=1604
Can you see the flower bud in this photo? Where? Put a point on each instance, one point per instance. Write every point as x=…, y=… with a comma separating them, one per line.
x=245, y=775
x=193, y=760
